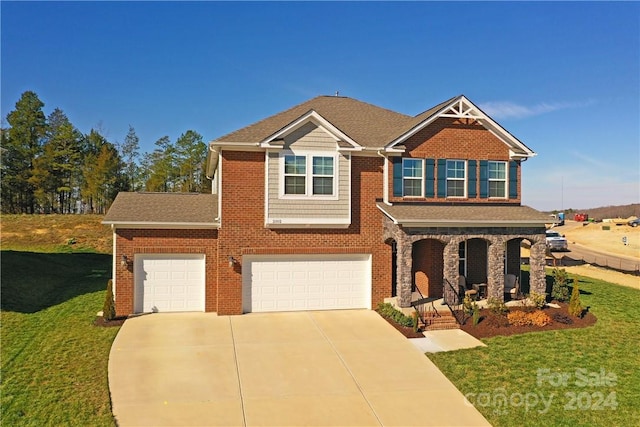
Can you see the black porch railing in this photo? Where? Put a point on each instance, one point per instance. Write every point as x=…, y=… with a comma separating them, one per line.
x=454, y=299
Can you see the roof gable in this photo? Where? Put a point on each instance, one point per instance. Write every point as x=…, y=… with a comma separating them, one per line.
x=461, y=108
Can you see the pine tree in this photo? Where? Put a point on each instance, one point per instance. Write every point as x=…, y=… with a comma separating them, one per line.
x=130, y=154
x=22, y=144
x=575, y=306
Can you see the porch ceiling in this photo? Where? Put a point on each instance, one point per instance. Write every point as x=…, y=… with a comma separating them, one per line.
x=413, y=215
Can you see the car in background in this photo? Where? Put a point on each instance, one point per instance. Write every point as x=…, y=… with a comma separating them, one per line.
x=634, y=222
x=556, y=241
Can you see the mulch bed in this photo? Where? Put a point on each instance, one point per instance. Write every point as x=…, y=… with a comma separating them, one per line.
x=101, y=321
x=404, y=330
x=492, y=325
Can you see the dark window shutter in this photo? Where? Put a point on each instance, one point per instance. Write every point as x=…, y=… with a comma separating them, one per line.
x=442, y=178
x=397, y=176
x=484, y=179
x=471, y=190
x=513, y=180
x=429, y=177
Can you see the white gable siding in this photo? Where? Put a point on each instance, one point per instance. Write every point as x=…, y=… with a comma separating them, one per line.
x=313, y=140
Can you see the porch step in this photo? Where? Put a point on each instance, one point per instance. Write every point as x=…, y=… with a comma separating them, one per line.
x=438, y=321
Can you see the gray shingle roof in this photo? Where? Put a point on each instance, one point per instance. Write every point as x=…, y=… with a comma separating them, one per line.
x=444, y=215
x=368, y=125
x=178, y=209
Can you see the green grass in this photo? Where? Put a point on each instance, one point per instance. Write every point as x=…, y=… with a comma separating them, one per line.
x=513, y=367
x=54, y=361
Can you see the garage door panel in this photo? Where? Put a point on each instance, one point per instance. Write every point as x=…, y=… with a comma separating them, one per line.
x=169, y=282
x=306, y=282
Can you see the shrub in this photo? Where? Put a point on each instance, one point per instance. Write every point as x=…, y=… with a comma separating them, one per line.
x=415, y=321
x=519, y=318
x=561, y=318
x=575, y=306
x=539, y=318
x=560, y=290
x=538, y=300
x=387, y=310
x=496, y=306
x=109, y=307
x=476, y=314
x=467, y=305
x=522, y=318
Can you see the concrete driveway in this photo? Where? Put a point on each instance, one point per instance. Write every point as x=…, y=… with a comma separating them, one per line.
x=341, y=368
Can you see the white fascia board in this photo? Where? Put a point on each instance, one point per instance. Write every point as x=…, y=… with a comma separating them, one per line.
x=163, y=225
x=239, y=146
x=317, y=119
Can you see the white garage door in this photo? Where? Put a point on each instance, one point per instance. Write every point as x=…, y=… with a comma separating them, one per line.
x=305, y=282
x=169, y=282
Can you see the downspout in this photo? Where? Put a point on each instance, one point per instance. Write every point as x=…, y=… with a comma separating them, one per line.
x=113, y=263
x=385, y=179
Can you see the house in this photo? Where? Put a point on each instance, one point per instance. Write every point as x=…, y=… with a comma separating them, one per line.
x=333, y=203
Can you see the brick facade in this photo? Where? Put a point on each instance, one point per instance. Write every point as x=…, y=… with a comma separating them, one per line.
x=243, y=231
x=448, y=138
x=132, y=242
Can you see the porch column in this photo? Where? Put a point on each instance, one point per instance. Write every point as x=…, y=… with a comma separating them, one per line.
x=495, y=275
x=450, y=270
x=403, y=272
x=537, y=275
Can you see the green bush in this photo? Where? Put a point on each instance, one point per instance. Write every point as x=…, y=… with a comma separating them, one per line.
x=496, y=306
x=560, y=291
x=575, y=306
x=467, y=305
x=538, y=300
x=387, y=310
x=476, y=314
x=109, y=307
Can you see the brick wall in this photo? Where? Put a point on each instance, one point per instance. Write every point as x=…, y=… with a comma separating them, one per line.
x=130, y=242
x=243, y=230
x=449, y=138
x=428, y=267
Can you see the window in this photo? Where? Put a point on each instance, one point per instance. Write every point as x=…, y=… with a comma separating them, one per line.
x=295, y=174
x=323, y=175
x=456, y=178
x=498, y=179
x=309, y=175
x=412, y=177
x=462, y=262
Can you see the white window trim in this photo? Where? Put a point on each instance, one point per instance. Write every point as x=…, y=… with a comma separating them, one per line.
x=464, y=259
x=421, y=178
x=464, y=180
x=505, y=181
x=309, y=155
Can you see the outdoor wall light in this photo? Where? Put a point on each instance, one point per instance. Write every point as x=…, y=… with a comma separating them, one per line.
x=232, y=261
x=124, y=261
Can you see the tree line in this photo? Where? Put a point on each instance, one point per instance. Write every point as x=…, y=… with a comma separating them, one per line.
x=49, y=166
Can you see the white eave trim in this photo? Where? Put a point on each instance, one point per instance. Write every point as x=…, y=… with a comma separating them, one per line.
x=315, y=118
x=471, y=111
x=163, y=225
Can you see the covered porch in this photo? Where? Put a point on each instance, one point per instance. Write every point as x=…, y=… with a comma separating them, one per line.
x=438, y=249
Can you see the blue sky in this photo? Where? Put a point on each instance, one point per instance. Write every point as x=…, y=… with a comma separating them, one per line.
x=564, y=78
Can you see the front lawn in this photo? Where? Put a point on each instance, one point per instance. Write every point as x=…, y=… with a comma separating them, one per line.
x=572, y=377
x=54, y=361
